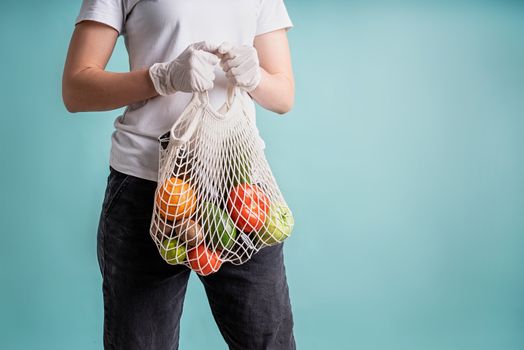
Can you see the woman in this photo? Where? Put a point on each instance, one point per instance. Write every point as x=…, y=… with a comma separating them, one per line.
x=176, y=47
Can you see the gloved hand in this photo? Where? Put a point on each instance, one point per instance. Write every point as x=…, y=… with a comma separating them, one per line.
x=192, y=70
x=241, y=65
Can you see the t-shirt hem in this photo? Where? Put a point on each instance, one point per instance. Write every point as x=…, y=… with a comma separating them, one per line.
x=97, y=17
x=271, y=27
x=140, y=173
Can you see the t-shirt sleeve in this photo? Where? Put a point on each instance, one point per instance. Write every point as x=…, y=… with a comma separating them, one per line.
x=110, y=12
x=272, y=16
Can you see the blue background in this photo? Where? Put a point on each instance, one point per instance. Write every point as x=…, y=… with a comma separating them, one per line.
x=402, y=159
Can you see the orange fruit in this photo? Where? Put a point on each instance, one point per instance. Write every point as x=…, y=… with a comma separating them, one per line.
x=176, y=199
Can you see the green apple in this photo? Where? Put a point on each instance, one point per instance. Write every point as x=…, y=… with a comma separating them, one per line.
x=218, y=225
x=172, y=252
x=279, y=224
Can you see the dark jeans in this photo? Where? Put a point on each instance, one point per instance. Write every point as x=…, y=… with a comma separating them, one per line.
x=143, y=295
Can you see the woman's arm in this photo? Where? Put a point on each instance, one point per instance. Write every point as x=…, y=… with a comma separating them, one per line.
x=86, y=86
x=276, y=90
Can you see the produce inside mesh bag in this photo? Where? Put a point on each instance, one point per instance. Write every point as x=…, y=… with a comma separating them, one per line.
x=216, y=198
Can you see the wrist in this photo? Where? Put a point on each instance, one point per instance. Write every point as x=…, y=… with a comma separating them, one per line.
x=152, y=91
x=159, y=77
x=259, y=82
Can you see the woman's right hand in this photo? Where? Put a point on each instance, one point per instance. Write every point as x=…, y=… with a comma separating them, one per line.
x=192, y=70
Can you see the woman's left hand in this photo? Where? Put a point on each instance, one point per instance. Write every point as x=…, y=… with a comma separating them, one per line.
x=241, y=65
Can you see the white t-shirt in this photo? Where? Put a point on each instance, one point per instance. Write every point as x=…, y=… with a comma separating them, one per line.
x=158, y=31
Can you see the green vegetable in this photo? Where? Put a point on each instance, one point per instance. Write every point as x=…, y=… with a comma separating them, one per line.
x=218, y=225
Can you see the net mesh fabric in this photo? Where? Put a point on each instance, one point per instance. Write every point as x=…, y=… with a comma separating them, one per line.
x=216, y=199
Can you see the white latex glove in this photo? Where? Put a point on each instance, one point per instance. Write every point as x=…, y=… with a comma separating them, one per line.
x=241, y=65
x=192, y=70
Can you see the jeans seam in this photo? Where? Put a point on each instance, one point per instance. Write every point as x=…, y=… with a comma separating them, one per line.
x=106, y=288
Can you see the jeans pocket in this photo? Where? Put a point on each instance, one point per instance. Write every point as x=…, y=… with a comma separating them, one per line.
x=116, y=183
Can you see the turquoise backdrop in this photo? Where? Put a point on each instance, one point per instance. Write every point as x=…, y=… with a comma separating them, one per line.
x=403, y=160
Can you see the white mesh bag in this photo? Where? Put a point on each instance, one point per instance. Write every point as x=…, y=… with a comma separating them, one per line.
x=216, y=199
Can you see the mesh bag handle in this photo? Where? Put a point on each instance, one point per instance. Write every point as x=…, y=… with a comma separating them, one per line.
x=202, y=99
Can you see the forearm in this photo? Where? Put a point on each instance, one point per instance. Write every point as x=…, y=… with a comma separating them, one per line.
x=93, y=89
x=275, y=92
